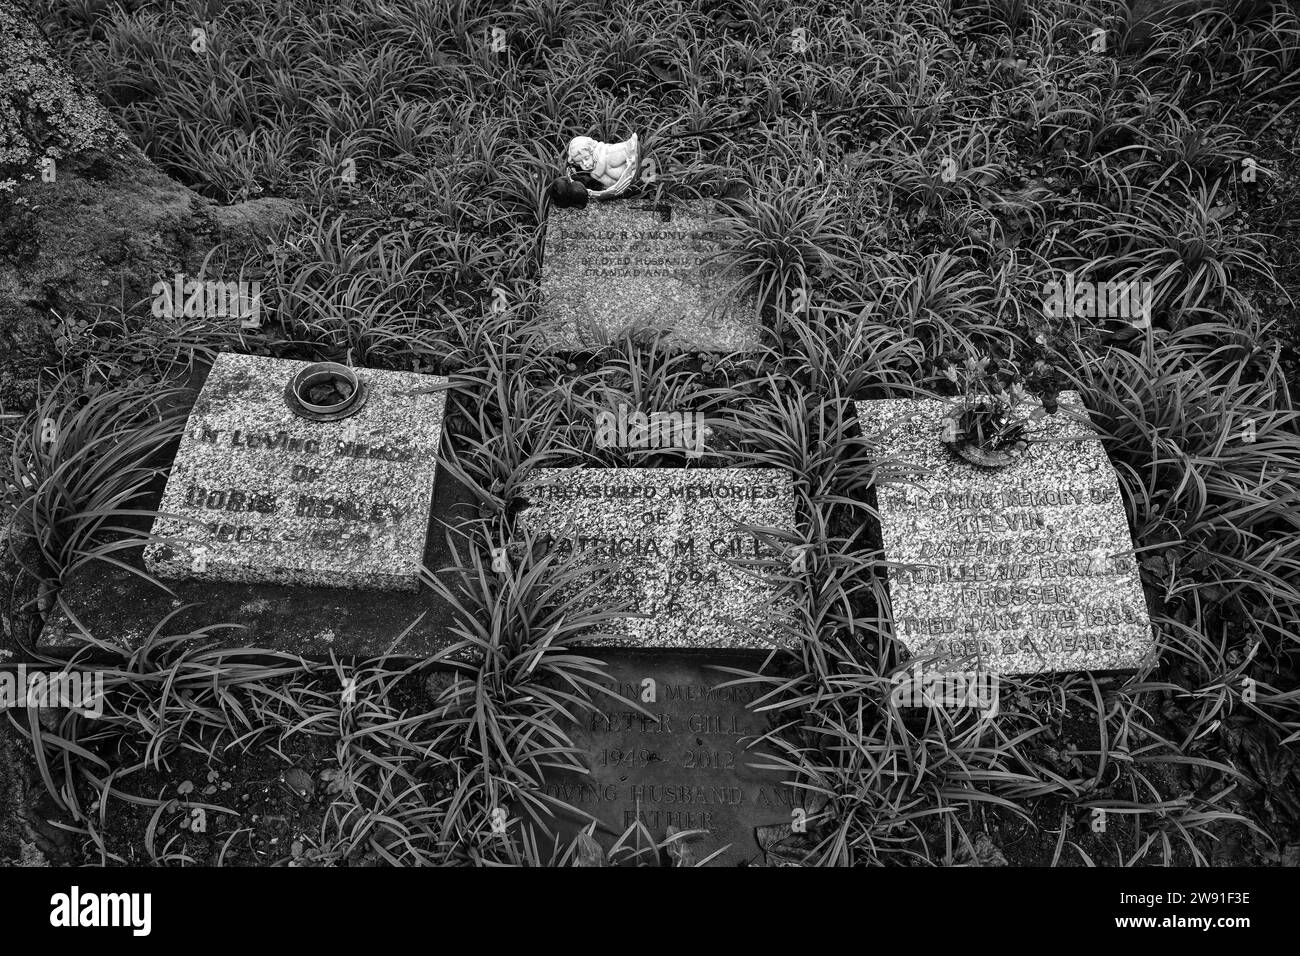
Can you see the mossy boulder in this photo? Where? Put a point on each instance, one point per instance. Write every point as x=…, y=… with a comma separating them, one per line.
x=43, y=111
x=87, y=237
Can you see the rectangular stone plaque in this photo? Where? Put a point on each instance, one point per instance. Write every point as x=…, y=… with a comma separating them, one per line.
x=678, y=537
x=259, y=494
x=695, y=763
x=1022, y=569
x=614, y=267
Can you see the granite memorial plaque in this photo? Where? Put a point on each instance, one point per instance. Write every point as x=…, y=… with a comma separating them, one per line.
x=1023, y=569
x=680, y=540
x=695, y=763
x=619, y=267
x=259, y=494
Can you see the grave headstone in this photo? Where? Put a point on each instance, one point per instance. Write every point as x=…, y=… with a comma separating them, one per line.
x=695, y=763
x=1023, y=569
x=628, y=267
x=690, y=547
x=258, y=493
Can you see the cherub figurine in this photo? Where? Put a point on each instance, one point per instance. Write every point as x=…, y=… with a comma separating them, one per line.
x=612, y=165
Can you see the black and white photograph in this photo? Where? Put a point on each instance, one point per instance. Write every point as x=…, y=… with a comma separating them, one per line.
x=644, y=435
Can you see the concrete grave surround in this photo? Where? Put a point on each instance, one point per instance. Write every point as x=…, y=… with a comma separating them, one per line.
x=613, y=268
x=676, y=540
x=258, y=494
x=1019, y=570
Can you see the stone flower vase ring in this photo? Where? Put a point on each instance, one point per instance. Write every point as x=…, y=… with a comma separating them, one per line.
x=610, y=168
x=986, y=433
x=326, y=392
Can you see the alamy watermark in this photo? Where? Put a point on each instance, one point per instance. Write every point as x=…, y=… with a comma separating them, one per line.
x=922, y=686
x=76, y=909
x=82, y=691
x=1076, y=299
x=211, y=298
x=625, y=428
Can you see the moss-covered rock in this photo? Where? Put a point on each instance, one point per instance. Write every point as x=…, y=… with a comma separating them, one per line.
x=89, y=240
x=44, y=113
x=81, y=245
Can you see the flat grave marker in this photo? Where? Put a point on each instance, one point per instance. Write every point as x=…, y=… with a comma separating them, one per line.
x=695, y=763
x=679, y=539
x=1023, y=569
x=259, y=494
x=619, y=267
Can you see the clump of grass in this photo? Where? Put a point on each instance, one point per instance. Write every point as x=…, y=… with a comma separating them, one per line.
x=83, y=465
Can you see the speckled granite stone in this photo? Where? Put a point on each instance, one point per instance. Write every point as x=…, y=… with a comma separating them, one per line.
x=613, y=267
x=258, y=494
x=677, y=540
x=1019, y=570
